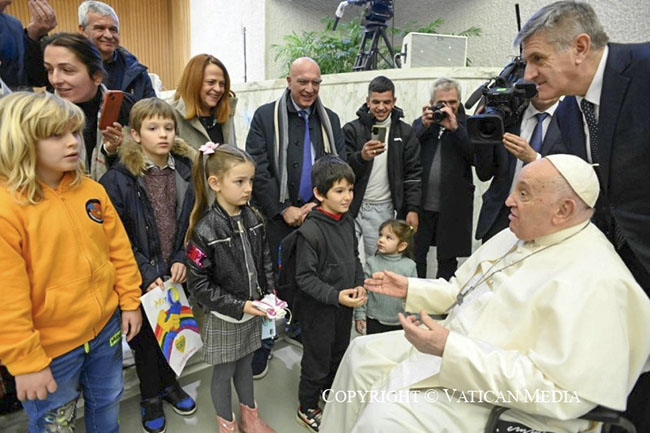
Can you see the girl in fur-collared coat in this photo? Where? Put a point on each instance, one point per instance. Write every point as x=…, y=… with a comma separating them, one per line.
x=151, y=188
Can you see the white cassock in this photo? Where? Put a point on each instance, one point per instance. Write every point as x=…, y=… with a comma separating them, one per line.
x=550, y=337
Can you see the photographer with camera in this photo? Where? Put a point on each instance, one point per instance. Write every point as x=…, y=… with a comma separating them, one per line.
x=535, y=136
x=447, y=190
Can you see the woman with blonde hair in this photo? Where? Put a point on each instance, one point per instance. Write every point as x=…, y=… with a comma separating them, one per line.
x=70, y=283
x=203, y=103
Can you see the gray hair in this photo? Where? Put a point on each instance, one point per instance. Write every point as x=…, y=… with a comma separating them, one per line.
x=97, y=7
x=444, y=84
x=562, y=21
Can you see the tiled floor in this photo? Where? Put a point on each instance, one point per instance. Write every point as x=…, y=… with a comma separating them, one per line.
x=276, y=396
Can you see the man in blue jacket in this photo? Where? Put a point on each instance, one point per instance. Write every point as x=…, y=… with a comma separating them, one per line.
x=99, y=23
x=21, y=57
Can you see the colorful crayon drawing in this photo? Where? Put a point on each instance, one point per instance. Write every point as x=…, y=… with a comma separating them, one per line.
x=175, y=328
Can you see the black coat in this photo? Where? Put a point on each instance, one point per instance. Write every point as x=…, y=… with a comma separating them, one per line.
x=624, y=144
x=329, y=266
x=496, y=163
x=217, y=269
x=260, y=145
x=124, y=183
x=403, y=165
x=454, y=228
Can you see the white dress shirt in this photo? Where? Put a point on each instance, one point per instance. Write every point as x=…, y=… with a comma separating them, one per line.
x=528, y=124
x=593, y=95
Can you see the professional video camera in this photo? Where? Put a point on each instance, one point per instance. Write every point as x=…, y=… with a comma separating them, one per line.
x=377, y=13
x=505, y=98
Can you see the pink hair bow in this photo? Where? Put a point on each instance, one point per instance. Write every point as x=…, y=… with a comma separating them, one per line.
x=208, y=148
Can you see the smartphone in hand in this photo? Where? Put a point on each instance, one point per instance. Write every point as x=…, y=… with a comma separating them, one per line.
x=111, y=108
x=378, y=133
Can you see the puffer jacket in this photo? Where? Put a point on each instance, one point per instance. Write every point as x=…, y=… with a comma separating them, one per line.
x=403, y=165
x=124, y=183
x=217, y=269
x=136, y=81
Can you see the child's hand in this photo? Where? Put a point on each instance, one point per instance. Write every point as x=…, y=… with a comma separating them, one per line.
x=350, y=298
x=131, y=323
x=360, y=326
x=179, y=273
x=250, y=309
x=32, y=386
x=158, y=282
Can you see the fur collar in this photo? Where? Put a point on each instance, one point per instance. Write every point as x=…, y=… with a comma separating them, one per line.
x=132, y=158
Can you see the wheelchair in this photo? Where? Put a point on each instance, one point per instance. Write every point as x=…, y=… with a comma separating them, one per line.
x=608, y=417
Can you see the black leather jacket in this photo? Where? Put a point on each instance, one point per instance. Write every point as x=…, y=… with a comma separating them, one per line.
x=217, y=269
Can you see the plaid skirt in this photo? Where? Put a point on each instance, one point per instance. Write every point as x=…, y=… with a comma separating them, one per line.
x=225, y=342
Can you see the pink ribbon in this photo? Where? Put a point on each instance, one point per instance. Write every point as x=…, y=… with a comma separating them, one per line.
x=208, y=148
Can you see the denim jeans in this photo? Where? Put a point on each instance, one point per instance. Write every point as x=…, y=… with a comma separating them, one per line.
x=370, y=217
x=96, y=369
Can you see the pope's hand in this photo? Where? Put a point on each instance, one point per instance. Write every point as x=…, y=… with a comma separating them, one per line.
x=388, y=283
x=429, y=339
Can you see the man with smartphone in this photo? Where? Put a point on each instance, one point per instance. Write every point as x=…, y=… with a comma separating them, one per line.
x=447, y=187
x=99, y=23
x=385, y=156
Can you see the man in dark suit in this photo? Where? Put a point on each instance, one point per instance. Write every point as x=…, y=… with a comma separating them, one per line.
x=607, y=124
x=447, y=187
x=536, y=135
x=284, y=151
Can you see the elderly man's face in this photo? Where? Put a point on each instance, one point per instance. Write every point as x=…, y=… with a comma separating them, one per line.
x=304, y=82
x=532, y=203
x=104, y=32
x=448, y=97
x=553, y=71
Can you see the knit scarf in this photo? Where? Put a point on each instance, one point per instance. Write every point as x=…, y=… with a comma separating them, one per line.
x=281, y=139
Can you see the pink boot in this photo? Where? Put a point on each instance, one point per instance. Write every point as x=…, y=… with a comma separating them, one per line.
x=251, y=421
x=228, y=426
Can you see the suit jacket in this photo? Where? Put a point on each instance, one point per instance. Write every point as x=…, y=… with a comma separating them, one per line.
x=454, y=228
x=260, y=145
x=496, y=163
x=624, y=144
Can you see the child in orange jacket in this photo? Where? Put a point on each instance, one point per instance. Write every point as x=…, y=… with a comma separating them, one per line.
x=68, y=270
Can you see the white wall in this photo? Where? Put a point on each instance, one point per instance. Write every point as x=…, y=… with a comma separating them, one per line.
x=216, y=28
x=624, y=21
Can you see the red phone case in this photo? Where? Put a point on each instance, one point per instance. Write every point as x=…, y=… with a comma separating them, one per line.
x=111, y=108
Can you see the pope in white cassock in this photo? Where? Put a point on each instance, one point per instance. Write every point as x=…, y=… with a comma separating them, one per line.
x=544, y=319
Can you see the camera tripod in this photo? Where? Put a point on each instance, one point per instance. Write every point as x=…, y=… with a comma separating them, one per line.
x=367, y=58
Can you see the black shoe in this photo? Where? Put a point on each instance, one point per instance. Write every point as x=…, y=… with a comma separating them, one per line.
x=153, y=417
x=180, y=401
x=260, y=362
x=310, y=418
x=293, y=334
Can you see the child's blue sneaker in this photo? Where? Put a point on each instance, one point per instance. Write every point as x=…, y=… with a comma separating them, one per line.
x=180, y=401
x=153, y=417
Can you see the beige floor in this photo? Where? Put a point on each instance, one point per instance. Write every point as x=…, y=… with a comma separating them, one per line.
x=276, y=395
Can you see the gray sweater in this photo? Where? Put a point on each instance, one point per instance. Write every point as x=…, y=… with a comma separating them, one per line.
x=384, y=308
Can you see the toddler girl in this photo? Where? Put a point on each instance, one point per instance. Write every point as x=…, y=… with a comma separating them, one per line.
x=394, y=253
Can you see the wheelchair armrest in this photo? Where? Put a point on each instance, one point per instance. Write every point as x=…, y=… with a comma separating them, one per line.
x=609, y=417
x=602, y=414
